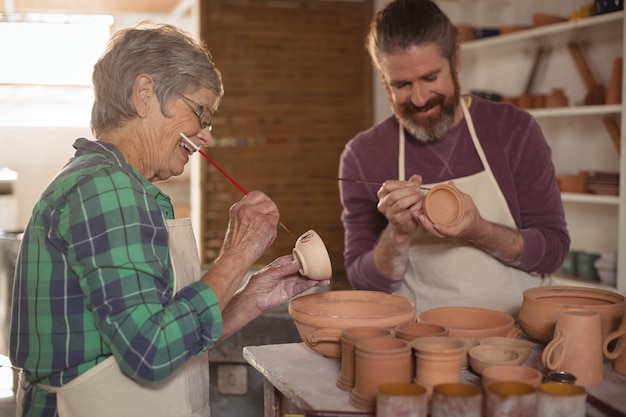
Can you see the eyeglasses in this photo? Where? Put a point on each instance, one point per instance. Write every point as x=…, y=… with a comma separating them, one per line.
x=204, y=114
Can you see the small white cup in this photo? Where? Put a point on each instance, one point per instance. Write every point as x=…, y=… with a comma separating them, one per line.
x=310, y=252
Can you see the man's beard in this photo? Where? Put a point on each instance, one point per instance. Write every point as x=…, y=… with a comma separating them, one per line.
x=431, y=128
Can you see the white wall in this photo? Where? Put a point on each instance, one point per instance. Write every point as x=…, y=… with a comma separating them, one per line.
x=39, y=124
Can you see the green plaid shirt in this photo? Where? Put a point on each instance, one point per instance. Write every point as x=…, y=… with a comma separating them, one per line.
x=93, y=278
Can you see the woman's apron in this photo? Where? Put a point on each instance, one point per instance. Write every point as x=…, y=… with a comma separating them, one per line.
x=105, y=391
x=450, y=272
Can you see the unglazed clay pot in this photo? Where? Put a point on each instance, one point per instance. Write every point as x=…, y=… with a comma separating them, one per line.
x=443, y=204
x=310, y=252
x=412, y=331
x=349, y=338
x=542, y=305
x=576, y=346
x=618, y=354
x=471, y=324
x=378, y=361
x=521, y=346
x=484, y=356
x=517, y=373
x=437, y=360
x=321, y=317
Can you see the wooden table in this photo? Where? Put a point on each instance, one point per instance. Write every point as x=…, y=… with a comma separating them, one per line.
x=300, y=381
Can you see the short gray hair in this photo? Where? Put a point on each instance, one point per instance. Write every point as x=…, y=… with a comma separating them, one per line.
x=404, y=23
x=178, y=63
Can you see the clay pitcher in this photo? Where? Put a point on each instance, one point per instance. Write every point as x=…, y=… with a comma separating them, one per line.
x=618, y=354
x=349, y=337
x=576, y=346
x=378, y=361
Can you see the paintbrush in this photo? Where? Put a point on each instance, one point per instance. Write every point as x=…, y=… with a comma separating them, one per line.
x=358, y=181
x=221, y=170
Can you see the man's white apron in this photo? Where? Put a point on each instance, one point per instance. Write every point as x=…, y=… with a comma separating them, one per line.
x=449, y=272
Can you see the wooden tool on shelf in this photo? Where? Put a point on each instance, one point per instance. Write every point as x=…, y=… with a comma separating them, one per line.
x=595, y=90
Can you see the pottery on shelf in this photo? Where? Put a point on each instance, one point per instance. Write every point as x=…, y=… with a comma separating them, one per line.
x=542, y=305
x=310, y=252
x=321, y=317
x=443, y=204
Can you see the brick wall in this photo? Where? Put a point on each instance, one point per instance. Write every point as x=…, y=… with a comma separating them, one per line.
x=298, y=85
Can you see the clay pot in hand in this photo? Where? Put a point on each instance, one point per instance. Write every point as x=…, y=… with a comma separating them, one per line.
x=443, y=204
x=310, y=252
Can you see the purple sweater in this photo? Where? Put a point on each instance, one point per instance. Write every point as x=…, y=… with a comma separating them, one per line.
x=520, y=159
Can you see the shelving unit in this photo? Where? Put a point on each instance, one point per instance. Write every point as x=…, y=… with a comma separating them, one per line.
x=576, y=134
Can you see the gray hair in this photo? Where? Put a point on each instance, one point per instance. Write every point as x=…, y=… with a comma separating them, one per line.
x=404, y=23
x=178, y=64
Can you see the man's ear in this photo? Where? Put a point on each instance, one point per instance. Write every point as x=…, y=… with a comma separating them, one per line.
x=143, y=89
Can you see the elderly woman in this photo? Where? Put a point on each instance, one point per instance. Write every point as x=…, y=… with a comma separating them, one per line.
x=111, y=315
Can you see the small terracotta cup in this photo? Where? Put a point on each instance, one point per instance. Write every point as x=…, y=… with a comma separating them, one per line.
x=378, y=361
x=437, y=360
x=516, y=373
x=443, y=204
x=411, y=331
x=456, y=400
x=511, y=399
x=349, y=338
x=561, y=400
x=310, y=252
x=576, y=346
x=618, y=354
x=401, y=400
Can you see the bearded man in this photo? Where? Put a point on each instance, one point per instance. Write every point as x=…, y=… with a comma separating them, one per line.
x=513, y=232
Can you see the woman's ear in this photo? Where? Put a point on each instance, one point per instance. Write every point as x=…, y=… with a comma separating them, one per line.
x=143, y=89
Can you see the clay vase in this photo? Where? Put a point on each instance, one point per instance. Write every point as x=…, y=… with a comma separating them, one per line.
x=443, y=204
x=456, y=400
x=577, y=346
x=401, y=400
x=310, y=252
x=349, y=338
x=614, y=92
x=618, y=354
x=378, y=361
x=561, y=400
x=437, y=360
x=511, y=399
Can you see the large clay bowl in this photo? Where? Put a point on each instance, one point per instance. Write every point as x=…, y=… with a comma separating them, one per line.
x=471, y=322
x=542, y=305
x=321, y=317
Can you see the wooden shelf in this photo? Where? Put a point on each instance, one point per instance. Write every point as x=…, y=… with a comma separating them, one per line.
x=552, y=33
x=600, y=110
x=612, y=200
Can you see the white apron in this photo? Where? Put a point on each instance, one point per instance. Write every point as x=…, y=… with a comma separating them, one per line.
x=105, y=391
x=449, y=272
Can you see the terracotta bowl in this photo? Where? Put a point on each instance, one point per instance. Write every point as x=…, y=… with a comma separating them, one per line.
x=443, y=204
x=515, y=373
x=542, y=305
x=523, y=347
x=471, y=322
x=321, y=317
x=484, y=356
